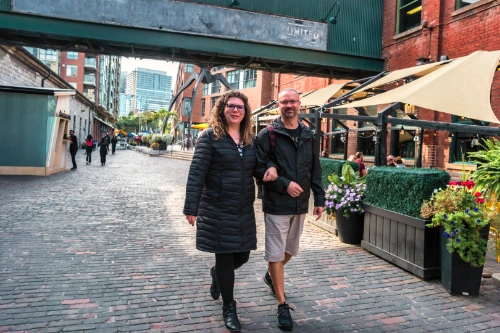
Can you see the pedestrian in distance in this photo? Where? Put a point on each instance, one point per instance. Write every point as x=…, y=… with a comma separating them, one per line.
x=103, y=151
x=108, y=140
x=114, y=141
x=89, y=143
x=220, y=193
x=73, y=148
x=285, y=152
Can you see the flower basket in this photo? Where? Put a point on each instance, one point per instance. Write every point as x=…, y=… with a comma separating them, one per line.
x=459, y=212
x=458, y=277
x=344, y=198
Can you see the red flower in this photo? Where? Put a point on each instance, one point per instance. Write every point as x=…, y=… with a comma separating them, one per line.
x=477, y=194
x=455, y=183
x=469, y=184
x=480, y=200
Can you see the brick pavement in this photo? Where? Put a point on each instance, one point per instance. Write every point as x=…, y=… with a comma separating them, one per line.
x=107, y=249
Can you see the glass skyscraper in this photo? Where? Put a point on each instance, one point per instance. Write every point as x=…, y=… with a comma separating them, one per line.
x=150, y=90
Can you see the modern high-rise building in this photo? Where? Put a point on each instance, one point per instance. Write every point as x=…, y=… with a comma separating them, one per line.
x=49, y=57
x=150, y=90
x=109, y=75
x=95, y=76
x=124, y=98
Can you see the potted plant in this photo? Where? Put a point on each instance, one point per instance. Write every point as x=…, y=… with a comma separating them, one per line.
x=328, y=166
x=394, y=229
x=344, y=199
x=459, y=212
x=155, y=146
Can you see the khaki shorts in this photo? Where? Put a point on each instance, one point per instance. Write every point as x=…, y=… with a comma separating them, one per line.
x=282, y=235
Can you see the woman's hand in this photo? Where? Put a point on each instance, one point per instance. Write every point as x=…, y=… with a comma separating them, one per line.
x=191, y=219
x=270, y=175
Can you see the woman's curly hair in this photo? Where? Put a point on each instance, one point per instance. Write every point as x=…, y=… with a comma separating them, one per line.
x=218, y=121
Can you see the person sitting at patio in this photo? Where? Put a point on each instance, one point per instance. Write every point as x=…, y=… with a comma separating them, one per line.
x=358, y=158
x=399, y=162
x=390, y=161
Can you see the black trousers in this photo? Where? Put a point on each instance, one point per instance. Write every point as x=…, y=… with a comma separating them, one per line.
x=73, y=154
x=89, y=154
x=113, y=147
x=225, y=265
x=103, y=158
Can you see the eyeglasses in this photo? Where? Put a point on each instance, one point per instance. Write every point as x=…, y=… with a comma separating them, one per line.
x=293, y=101
x=240, y=108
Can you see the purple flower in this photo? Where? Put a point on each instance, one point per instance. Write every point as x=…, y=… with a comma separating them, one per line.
x=345, y=186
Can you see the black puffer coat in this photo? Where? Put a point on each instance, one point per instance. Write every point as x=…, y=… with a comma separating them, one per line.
x=220, y=191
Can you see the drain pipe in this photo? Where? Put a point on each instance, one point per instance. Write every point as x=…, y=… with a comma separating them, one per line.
x=50, y=71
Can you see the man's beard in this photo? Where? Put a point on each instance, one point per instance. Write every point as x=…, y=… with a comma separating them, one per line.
x=286, y=113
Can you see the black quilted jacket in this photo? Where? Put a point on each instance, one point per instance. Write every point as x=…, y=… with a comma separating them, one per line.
x=220, y=191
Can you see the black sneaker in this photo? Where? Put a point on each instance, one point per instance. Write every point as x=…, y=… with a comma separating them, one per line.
x=285, y=321
x=214, y=287
x=268, y=280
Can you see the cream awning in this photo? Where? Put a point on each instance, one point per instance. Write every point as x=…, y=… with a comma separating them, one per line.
x=321, y=96
x=402, y=73
x=461, y=87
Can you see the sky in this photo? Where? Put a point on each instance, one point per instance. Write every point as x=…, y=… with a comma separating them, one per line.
x=129, y=64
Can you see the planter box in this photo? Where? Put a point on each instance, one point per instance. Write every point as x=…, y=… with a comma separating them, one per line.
x=153, y=152
x=324, y=222
x=403, y=240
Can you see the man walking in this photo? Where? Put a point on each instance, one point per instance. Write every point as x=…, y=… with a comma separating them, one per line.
x=287, y=148
x=73, y=148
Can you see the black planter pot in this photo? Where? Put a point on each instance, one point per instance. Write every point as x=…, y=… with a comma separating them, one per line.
x=458, y=276
x=350, y=229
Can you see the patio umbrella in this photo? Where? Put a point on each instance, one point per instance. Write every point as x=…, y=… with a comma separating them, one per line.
x=461, y=87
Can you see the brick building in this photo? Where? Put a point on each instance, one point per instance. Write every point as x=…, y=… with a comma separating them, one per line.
x=430, y=30
x=19, y=68
x=256, y=85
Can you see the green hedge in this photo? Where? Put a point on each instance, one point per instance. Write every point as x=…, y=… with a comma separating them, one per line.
x=403, y=190
x=329, y=166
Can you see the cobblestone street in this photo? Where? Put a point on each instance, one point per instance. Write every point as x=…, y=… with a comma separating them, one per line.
x=107, y=249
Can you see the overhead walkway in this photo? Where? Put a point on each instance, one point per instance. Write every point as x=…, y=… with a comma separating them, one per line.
x=264, y=35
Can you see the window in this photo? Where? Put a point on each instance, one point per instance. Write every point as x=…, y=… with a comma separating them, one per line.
x=463, y=3
x=212, y=102
x=189, y=68
x=205, y=90
x=71, y=70
x=409, y=14
x=218, y=68
x=249, y=78
x=463, y=143
x=338, y=139
x=47, y=55
x=203, y=107
x=233, y=77
x=216, y=87
x=73, y=84
x=156, y=82
x=186, y=106
x=72, y=55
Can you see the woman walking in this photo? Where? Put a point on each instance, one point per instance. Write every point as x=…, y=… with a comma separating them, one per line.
x=114, y=141
x=103, y=150
x=220, y=193
x=89, y=145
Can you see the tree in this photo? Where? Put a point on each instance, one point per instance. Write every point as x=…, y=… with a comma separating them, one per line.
x=128, y=123
x=166, y=116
